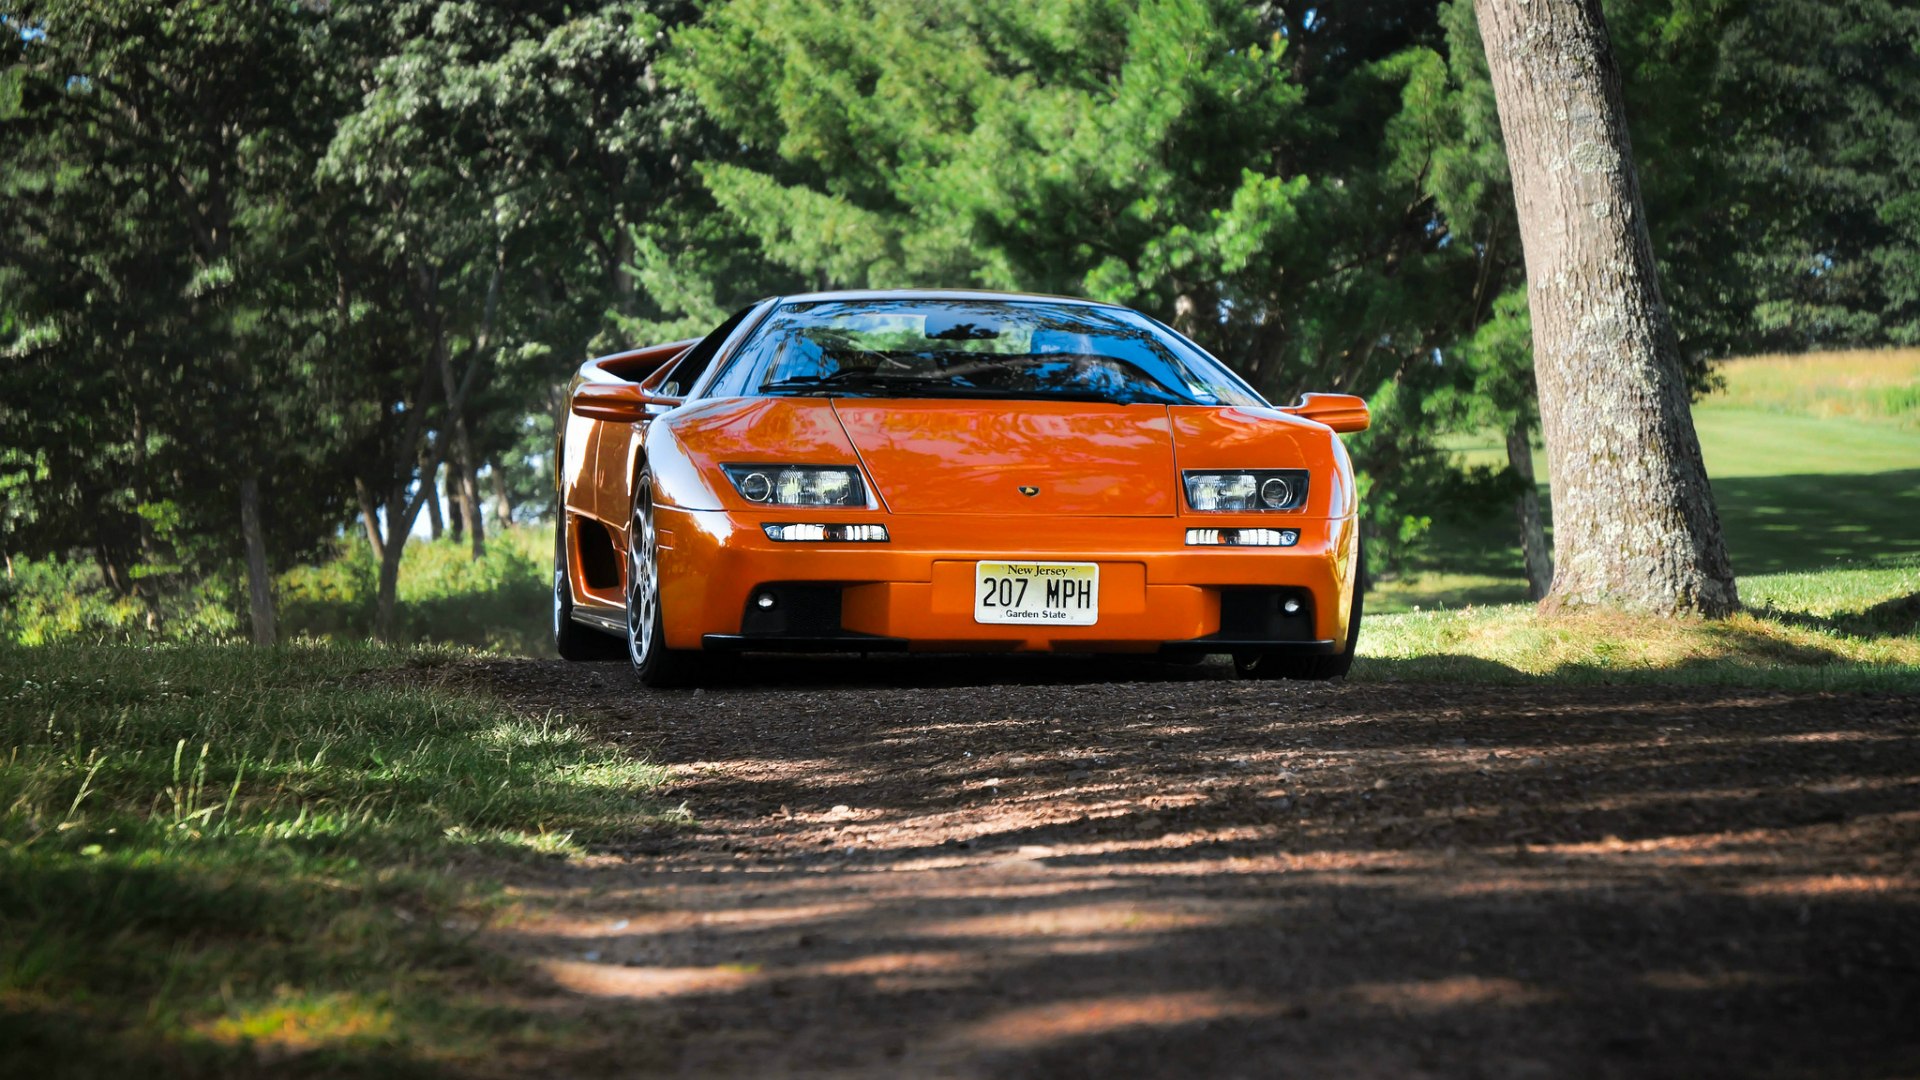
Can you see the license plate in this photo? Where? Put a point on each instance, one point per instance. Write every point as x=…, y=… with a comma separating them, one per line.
x=1061, y=594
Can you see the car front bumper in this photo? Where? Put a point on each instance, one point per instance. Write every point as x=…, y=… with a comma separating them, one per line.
x=916, y=590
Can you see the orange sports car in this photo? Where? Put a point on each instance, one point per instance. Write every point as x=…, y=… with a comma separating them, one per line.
x=950, y=471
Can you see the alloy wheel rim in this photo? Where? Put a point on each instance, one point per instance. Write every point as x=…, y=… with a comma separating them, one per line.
x=642, y=588
x=559, y=603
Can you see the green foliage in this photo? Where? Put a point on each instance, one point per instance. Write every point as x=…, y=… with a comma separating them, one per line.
x=164, y=346
x=267, y=240
x=1214, y=164
x=1137, y=152
x=59, y=600
x=498, y=602
x=223, y=855
x=1819, y=112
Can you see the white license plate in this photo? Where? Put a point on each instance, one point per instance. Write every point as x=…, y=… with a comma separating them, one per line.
x=1060, y=594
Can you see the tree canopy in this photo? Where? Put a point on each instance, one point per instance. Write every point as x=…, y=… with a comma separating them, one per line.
x=345, y=248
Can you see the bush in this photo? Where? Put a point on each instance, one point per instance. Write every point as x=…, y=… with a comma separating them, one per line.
x=496, y=602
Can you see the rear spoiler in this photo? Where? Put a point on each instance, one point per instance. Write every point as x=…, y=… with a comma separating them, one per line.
x=634, y=365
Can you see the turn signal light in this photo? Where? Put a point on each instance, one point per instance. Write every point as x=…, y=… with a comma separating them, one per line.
x=1242, y=537
x=857, y=534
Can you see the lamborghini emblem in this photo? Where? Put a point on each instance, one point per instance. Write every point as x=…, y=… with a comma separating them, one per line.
x=1029, y=491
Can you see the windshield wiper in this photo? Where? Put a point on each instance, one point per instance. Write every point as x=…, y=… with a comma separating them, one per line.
x=865, y=380
x=862, y=378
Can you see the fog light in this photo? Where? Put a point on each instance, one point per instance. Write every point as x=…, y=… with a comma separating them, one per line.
x=852, y=534
x=1242, y=537
x=1291, y=607
x=765, y=601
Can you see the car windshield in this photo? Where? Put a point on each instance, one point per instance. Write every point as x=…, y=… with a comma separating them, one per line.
x=982, y=349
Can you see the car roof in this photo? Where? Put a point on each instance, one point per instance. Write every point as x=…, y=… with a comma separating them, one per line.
x=842, y=295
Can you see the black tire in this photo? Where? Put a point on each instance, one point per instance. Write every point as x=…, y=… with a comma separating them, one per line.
x=1276, y=664
x=571, y=640
x=653, y=663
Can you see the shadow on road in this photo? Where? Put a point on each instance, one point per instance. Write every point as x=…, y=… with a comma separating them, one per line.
x=1012, y=870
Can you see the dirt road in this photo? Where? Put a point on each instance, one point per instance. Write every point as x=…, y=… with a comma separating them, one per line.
x=929, y=868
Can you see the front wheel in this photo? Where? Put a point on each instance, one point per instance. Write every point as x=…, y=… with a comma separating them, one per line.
x=654, y=663
x=1274, y=664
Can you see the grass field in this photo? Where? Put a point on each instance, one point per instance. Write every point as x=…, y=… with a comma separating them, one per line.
x=1820, y=630
x=214, y=857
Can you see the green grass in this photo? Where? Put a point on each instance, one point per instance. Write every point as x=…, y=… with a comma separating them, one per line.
x=1747, y=443
x=1841, y=629
x=216, y=858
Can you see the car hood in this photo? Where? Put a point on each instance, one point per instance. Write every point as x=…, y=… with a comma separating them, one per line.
x=1073, y=459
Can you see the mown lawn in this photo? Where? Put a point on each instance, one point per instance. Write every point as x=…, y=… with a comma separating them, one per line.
x=215, y=858
x=1820, y=630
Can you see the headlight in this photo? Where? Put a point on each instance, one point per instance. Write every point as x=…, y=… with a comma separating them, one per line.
x=1264, y=489
x=798, y=485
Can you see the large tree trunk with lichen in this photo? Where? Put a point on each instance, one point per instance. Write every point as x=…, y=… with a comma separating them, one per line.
x=1634, y=524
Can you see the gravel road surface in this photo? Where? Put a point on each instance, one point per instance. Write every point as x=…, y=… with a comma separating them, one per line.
x=988, y=868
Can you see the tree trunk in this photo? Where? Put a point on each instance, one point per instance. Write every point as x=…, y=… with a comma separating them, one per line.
x=456, y=519
x=430, y=483
x=110, y=571
x=1526, y=509
x=462, y=464
x=259, y=575
x=369, y=518
x=402, y=511
x=467, y=470
x=1634, y=523
x=387, y=599
x=502, y=502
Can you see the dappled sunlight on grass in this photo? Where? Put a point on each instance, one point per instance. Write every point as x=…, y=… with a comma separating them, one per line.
x=246, y=850
x=1838, y=628
x=298, y=1023
x=1516, y=644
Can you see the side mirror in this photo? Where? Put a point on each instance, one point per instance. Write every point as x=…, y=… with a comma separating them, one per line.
x=1341, y=412
x=619, y=402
